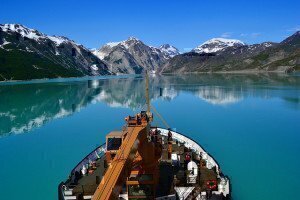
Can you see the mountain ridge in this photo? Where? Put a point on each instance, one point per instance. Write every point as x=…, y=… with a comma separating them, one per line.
x=26, y=53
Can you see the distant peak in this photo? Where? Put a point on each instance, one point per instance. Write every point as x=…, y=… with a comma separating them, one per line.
x=133, y=38
x=112, y=44
x=224, y=40
x=124, y=42
x=169, y=50
x=165, y=46
x=292, y=38
x=297, y=33
x=217, y=44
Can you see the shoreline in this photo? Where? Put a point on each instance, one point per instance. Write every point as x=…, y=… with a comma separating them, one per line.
x=245, y=71
x=64, y=79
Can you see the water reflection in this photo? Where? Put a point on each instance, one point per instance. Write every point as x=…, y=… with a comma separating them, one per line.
x=216, y=95
x=27, y=106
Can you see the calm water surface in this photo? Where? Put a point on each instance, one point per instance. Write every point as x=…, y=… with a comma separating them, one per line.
x=249, y=123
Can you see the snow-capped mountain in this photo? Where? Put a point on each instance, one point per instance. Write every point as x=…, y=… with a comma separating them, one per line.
x=234, y=55
x=30, y=54
x=26, y=53
x=132, y=56
x=217, y=44
x=33, y=34
x=169, y=50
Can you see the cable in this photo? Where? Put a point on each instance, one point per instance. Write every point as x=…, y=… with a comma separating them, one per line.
x=160, y=117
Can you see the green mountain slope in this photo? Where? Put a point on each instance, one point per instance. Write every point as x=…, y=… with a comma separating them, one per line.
x=21, y=65
x=28, y=54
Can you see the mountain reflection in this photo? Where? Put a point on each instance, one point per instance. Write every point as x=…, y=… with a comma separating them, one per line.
x=217, y=95
x=27, y=106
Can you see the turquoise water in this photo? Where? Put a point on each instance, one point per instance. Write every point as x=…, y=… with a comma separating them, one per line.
x=249, y=123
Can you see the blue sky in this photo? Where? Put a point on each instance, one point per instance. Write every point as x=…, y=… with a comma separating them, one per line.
x=182, y=23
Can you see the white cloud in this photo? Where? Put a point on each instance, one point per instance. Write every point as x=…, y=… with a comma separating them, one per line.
x=226, y=35
x=255, y=35
x=294, y=29
x=251, y=35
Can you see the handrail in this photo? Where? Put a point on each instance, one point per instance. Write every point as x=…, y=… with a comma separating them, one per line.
x=88, y=156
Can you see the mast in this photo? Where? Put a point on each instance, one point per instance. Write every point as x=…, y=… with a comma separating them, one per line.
x=147, y=95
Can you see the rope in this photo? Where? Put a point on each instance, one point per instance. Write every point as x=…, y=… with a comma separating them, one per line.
x=160, y=117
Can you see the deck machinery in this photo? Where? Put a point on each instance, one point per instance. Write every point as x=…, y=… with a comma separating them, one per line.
x=132, y=159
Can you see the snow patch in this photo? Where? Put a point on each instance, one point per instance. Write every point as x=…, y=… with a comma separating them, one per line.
x=112, y=44
x=217, y=44
x=267, y=44
x=28, y=50
x=94, y=67
x=62, y=113
x=35, y=67
x=99, y=54
x=33, y=34
x=58, y=40
x=4, y=43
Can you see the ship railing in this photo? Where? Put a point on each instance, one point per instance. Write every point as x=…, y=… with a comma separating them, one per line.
x=210, y=162
x=93, y=156
x=97, y=153
x=169, y=197
x=223, y=187
x=194, y=146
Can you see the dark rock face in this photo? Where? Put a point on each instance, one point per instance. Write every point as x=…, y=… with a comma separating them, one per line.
x=188, y=63
x=42, y=56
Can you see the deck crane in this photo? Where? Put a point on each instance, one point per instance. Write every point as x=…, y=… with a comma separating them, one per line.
x=132, y=159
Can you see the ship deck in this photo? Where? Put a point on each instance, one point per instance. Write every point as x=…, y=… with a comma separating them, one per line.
x=174, y=175
x=87, y=184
